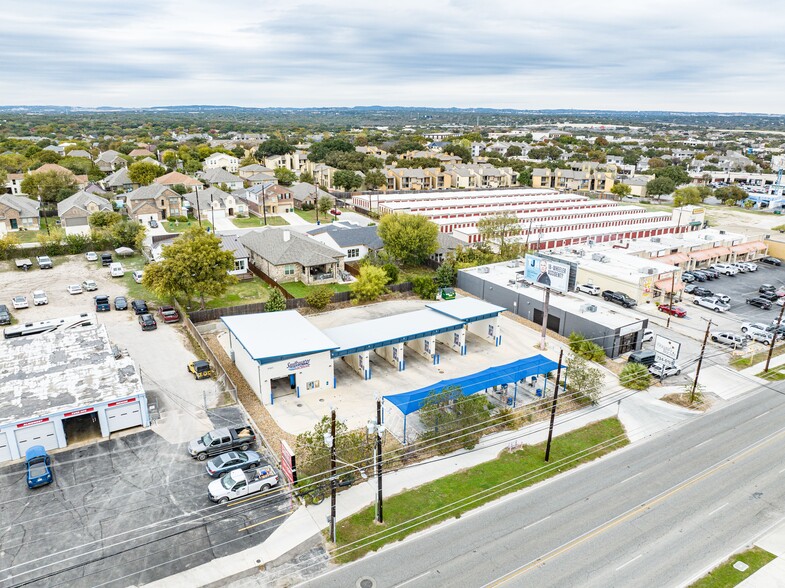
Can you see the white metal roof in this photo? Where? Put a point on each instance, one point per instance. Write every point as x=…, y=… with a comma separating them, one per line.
x=465, y=309
x=390, y=329
x=54, y=372
x=269, y=336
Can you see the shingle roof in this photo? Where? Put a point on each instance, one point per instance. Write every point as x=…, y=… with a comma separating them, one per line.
x=24, y=205
x=150, y=192
x=270, y=245
x=232, y=243
x=303, y=191
x=118, y=178
x=219, y=175
x=351, y=236
x=79, y=153
x=255, y=167
x=204, y=197
x=80, y=200
x=108, y=156
x=174, y=178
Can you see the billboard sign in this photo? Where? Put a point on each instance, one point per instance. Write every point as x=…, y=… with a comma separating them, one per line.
x=544, y=272
x=666, y=351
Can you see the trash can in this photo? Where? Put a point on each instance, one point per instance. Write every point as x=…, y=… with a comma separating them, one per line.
x=538, y=392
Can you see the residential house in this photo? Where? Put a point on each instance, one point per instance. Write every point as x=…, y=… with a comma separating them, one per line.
x=273, y=198
x=444, y=158
x=247, y=171
x=136, y=153
x=232, y=243
x=288, y=256
x=79, y=153
x=109, y=161
x=177, y=179
x=18, y=213
x=75, y=210
x=211, y=202
x=479, y=175
x=13, y=184
x=306, y=195
x=296, y=161
x=262, y=178
x=154, y=202
x=354, y=241
x=447, y=244
x=119, y=181
x=153, y=161
x=217, y=176
x=222, y=160
x=59, y=149
x=321, y=172
x=415, y=178
x=96, y=189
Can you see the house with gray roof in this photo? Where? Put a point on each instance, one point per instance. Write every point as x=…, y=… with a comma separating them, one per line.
x=218, y=175
x=247, y=171
x=305, y=194
x=232, y=243
x=118, y=181
x=354, y=241
x=288, y=256
x=213, y=202
x=110, y=160
x=154, y=202
x=18, y=213
x=79, y=153
x=75, y=211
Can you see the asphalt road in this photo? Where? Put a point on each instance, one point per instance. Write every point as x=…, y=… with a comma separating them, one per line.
x=654, y=514
x=122, y=512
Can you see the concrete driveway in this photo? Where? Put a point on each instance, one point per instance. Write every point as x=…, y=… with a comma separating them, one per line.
x=123, y=512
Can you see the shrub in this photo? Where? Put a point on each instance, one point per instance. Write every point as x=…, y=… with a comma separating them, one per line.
x=635, y=376
x=77, y=243
x=275, y=302
x=8, y=244
x=369, y=284
x=392, y=272
x=585, y=348
x=425, y=287
x=319, y=297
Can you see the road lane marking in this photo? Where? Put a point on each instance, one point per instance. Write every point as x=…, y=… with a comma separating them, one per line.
x=630, y=478
x=702, y=443
x=762, y=414
x=717, y=509
x=645, y=506
x=286, y=514
x=537, y=522
x=629, y=562
x=412, y=579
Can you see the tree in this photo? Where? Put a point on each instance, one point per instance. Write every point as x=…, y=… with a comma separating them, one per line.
x=320, y=149
x=273, y=146
x=324, y=204
x=676, y=173
x=319, y=297
x=409, y=238
x=103, y=219
x=733, y=193
x=144, y=172
x=51, y=186
x=313, y=455
x=496, y=230
x=392, y=272
x=276, y=302
x=127, y=233
x=285, y=177
x=513, y=151
x=621, y=190
x=590, y=350
x=449, y=411
x=583, y=379
x=306, y=177
x=687, y=195
x=460, y=151
x=660, y=186
x=47, y=157
x=347, y=179
x=446, y=275
x=375, y=179
x=601, y=142
x=369, y=284
x=525, y=177
x=657, y=162
x=425, y=287
x=631, y=158
x=170, y=160
x=194, y=263
x=8, y=244
x=635, y=376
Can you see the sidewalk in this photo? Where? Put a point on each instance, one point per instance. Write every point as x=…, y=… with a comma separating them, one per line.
x=772, y=575
x=642, y=414
x=293, y=218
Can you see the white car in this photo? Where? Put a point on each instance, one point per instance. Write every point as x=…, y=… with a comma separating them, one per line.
x=648, y=335
x=74, y=289
x=239, y=483
x=757, y=332
x=725, y=268
x=712, y=304
x=724, y=298
x=662, y=371
x=39, y=298
x=589, y=289
x=137, y=276
x=89, y=286
x=91, y=256
x=748, y=265
x=735, y=340
x=19, y=302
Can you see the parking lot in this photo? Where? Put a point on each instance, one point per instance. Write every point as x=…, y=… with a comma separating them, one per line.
x=125, y=511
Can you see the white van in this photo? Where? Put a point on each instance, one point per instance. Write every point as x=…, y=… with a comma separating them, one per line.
x=116, y=270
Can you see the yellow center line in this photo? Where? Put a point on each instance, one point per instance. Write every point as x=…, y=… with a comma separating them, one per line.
x=286, y=514
x=625, y=517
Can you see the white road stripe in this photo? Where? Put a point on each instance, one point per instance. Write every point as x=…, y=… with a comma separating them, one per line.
x=630, y=478
x=629, y=562
x=537, y=522
x=717, y=509
x=702, y=443
x=762, y=414
x=412, y=579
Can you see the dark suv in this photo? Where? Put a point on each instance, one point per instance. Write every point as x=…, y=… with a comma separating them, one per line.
x=106, y=259
x=644, y=356
x=5, y=316
x=139, y=306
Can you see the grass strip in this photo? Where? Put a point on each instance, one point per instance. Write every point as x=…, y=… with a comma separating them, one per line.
x=725, y=575
x=526, y=465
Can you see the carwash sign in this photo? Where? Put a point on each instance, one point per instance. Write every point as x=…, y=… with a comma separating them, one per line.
x=300, y=364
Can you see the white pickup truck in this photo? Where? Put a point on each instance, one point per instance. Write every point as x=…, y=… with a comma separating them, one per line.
x=239, y=483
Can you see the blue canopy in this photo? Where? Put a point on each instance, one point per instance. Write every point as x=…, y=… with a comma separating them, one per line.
x=409, y=402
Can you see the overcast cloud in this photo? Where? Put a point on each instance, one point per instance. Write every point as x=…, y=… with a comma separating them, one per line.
x=719, y=55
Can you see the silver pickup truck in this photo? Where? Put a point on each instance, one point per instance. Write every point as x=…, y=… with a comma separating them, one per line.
x=239, y=483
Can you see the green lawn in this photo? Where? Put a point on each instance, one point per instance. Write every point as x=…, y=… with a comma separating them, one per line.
x=746, y=361
x=252, y=222
x=774, y=374
x=171, y=227
x=136, y=291
x=300, y=290
x=726, y=576
x=452, y=495
x=408, y=273
x=310, y=215
x=245, y=292
x=32, y=236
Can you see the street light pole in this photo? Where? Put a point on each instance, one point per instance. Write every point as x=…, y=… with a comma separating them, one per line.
x=332, y=476
x=773, y=339
x=378, y=431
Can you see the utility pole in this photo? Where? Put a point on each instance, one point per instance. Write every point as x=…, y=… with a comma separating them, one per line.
x=700, y=361
x=544, y=332
x=264, y=203
x=316, y=200
x=673, y=280
x=773, y=340
x=379, y=512
x=332, y=476
x=198, y=209
x=553, y=408
x=212, y=211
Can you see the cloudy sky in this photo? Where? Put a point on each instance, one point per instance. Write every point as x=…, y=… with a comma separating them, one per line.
x=696, y=55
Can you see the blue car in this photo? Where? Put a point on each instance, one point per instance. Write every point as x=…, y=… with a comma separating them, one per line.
x=234, y=460
x=39, y=467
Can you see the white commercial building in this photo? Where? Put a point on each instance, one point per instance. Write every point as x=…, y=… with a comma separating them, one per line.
x=64, y=385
